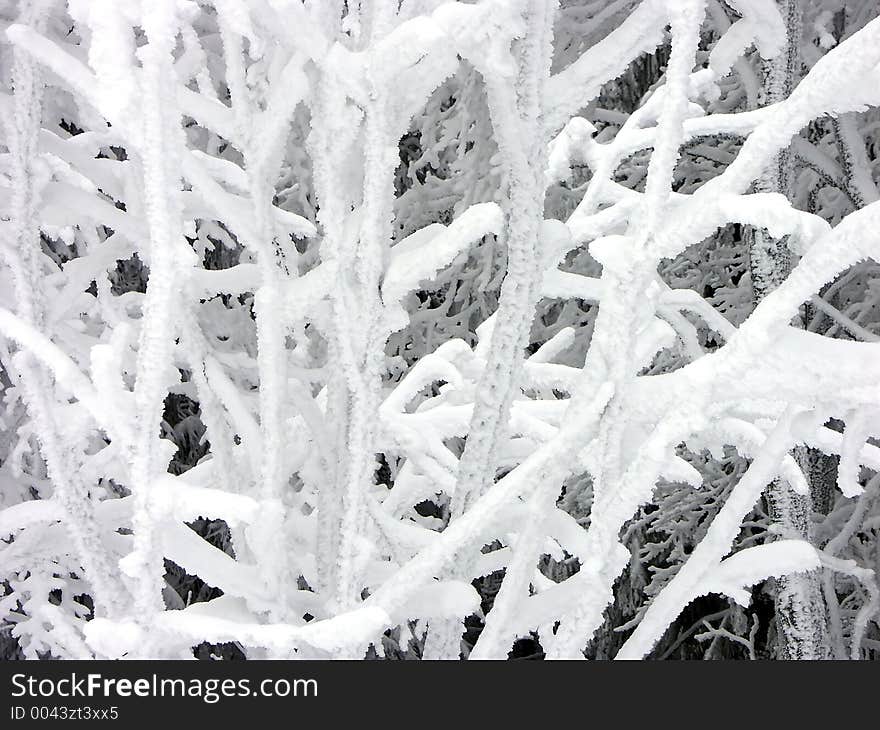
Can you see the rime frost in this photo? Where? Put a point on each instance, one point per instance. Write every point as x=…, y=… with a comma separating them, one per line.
x=339, y=329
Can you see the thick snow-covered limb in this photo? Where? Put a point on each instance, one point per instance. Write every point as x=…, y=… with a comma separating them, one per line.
x=65, y=371
x=498, y=633
x=346, y=635
x=19, y=516
x=516, y=117
x=579, y=84
x=752, y=565
x=800, y=609
x=55, y=58
x=546, y=464
x=868, y=579
x=818, y=94
x=515, y=98
x=689, y=581
x=627, y=273
x=160, y=154
x=23, y=258
x=422, y=254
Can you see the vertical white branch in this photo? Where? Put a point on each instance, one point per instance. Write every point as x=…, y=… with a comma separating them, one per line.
x=24, y=259
x=159, y=148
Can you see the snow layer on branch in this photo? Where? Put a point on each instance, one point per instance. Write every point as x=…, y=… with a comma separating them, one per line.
x=422, y=254
x=576, y=86
x=288, y=358
x=752, y=565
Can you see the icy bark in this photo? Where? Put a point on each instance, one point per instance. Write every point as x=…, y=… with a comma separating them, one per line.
x=800, y=607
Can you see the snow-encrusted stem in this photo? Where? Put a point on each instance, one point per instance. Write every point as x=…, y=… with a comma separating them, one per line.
x=361, y=345
x=267, y=541
x=607, y=555
x=24, y=260
x=830, y=552
x=628, y=304
x=259, y=239
x=499, y=633
x=800, y=608
x=686, y=585
x=868, y=579
x=357, y=241
x=515, y=108
x=628, y=271
x=325, y=109
x=271, y=331
x=261, y=136
x=211, y=406
x=549, y=464
x=364, y=390
x=854, y=161
x=516, y=117
x=800, y=604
